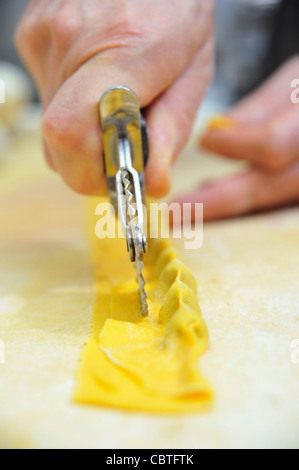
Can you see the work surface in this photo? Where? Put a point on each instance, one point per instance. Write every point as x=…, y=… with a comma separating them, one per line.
x=247, y=273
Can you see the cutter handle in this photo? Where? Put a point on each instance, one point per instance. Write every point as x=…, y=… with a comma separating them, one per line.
x=121, y=119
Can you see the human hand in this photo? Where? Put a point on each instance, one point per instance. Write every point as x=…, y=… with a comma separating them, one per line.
x=262, y=129
x=76, y=50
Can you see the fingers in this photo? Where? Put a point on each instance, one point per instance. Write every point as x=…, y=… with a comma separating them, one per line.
x=264, y=103
x=170, y=119
x=263, y=127
x=245, y=193
x=76, y=50
x=272, y=146
x=71, y=124
x=72, y=131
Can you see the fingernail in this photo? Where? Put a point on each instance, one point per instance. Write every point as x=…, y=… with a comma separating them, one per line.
x=222, y=123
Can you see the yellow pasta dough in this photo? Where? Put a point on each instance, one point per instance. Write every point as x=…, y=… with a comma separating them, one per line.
x=147, y=364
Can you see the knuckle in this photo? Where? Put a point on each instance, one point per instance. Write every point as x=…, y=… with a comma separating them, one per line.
x=129, y=30
x=64, y=27
x=273, y=153
x=270, y=160
x=273, y=158
x=126, y=20
x=25, y=32
x=276, y=159
x=57, y=129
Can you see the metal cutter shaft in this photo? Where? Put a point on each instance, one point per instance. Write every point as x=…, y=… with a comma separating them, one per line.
x=124, y=155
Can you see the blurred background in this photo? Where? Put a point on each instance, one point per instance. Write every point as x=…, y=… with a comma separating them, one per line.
x=247, y=271
x=254, y=37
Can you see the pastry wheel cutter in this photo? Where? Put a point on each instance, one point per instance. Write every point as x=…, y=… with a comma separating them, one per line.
x=125, y=148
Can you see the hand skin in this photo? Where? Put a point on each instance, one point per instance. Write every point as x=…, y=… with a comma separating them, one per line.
x=75, y=50
x=266, y=135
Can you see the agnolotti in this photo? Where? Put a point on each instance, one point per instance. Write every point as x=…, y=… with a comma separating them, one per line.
x=136, y=363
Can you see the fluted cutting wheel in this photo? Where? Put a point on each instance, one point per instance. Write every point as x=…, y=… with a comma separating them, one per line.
x=135, y=241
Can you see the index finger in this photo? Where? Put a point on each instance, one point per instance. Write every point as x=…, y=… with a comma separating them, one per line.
x=245, y=193
x=272, y=146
